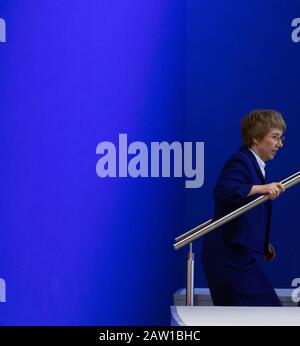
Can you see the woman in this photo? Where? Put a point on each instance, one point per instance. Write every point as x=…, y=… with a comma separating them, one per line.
x=229, y=253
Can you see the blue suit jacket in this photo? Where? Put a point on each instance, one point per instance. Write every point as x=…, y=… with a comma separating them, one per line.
x=251, y=229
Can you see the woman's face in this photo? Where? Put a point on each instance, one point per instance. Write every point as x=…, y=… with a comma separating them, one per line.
x=267, y=147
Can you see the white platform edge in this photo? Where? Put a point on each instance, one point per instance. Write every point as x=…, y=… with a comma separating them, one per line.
x=234, y=316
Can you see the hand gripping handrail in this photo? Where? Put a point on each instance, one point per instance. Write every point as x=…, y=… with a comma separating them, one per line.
x=210, y=225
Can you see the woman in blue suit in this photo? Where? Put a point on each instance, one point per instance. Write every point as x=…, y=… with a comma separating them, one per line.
x=229, y=253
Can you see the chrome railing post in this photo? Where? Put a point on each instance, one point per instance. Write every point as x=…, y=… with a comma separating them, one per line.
x=189, y=297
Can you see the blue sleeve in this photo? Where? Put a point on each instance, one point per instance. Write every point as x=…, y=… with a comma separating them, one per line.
x=233, y=185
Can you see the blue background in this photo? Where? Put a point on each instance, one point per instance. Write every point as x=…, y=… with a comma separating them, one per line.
x=80, y=250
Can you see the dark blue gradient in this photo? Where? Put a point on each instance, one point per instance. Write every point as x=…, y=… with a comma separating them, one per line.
x=240, y=58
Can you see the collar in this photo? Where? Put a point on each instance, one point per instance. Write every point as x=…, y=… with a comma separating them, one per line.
x=260, y=162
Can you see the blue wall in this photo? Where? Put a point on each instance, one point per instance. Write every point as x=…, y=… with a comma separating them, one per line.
x=80, y=250
x=77, y=249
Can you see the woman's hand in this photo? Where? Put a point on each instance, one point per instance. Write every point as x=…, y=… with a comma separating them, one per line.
x=273, y=190
x=271, y=254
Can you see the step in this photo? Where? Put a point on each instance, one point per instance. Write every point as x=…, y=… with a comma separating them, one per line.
x=202, y=297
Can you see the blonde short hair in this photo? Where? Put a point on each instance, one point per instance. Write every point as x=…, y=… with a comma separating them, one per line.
x=258, y=123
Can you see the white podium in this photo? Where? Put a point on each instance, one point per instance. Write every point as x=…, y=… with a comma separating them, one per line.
x=234, y=316
x=203, y=313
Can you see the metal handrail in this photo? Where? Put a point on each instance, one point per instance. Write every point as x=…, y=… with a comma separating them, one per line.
x=210, y=225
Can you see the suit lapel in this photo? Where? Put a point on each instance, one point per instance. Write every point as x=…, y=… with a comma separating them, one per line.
x=255, y=163
x=258, y=170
